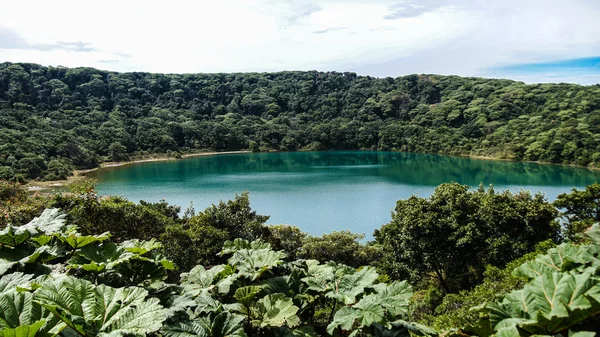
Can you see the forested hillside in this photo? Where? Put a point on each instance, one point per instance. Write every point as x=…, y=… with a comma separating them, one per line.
x=53, y=120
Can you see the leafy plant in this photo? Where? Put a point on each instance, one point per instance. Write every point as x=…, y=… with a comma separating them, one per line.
x=88, y=310
x=561, y=298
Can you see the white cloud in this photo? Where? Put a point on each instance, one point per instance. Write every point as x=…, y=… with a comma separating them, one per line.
x=381, y=38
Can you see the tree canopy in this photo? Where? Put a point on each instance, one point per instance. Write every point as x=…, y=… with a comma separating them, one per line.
x=55, y=119
x=456, y=232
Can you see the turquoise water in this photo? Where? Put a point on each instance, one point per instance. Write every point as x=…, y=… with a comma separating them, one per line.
x=325, y=191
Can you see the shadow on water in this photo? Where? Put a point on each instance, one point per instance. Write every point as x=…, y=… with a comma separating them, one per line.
x=325, y=191
x=401, y=168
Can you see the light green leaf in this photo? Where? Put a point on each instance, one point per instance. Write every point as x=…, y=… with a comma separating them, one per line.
x=401, y=328
x=51, y=221
x=369, y=311
x=141, y=247
x=76, y=240
x=344, y=319
x=18, y=308
x=25, y=330
x=12, y=236
x=200, y=280
x=246, y=295
x=11, y=281
x=352, y=285
x=582, y=334
x=252, y=263
x=238, y=244
x=275, y=310
x=207, y=304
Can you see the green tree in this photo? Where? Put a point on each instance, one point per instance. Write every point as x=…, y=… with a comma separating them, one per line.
x=117, y=152
x=451, y=236
x=199, y=238
x=580, y=208
x=342, y=247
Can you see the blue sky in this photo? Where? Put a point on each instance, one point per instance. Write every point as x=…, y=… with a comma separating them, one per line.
x=527, y=40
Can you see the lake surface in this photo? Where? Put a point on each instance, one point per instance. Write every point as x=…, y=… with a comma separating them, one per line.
x=325, y=191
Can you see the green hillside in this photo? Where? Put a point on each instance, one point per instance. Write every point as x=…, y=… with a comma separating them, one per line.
x=56, y=119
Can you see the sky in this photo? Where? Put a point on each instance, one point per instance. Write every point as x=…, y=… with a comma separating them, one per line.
x=527, y=40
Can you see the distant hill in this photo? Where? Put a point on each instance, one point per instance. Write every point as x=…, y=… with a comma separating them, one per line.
x=55, y=119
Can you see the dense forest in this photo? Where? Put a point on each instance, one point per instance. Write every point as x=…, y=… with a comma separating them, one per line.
x=462, y=262
x=56, y=119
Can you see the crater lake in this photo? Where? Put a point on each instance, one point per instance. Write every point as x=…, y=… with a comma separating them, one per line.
x=321, y=192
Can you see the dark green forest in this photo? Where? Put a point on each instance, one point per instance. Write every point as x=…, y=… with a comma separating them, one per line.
x=54, y=119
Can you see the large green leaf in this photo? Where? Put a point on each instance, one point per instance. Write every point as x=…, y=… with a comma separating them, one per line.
x=252, y=263
x=101, y=311
x=11, y=281
x=350, y=286
x=75, y=240
x=26, y=330
x=51, y=221
x=13, y=236
x=246, y=295
x=319, y=277
x=200, y=280
x=97, y=258
x=238, y=244
x=564, y=257
x=27, y=254
x=593, y=233
x=389, y=303
x=141, y=247
x=550, y=303
x=395, y=298
x=344, y=319
x=278, y=284
x=19, y=308
x=369, y=311
x=224, y=324
x=275, y=310
x=401, y=328
x=206, y=304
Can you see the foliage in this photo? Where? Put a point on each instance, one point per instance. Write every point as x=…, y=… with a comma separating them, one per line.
x=343, y=247
x=55, y=119
x=47, y=245
x=451, y=236
x=88, y=310
x=59, y=282
x=581, y=209
x=123, y=218
x=455, y=309
x=16, y=206
x=287, y=238
x=198, y=239
x=56, y=279
x=268, y=297
x=562, y=296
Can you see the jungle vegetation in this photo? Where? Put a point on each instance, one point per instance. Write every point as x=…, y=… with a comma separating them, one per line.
x=56, y=119
x=468, y=262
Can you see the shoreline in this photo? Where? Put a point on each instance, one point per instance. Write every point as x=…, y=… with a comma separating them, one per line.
x=482, y=157
x=149, y=160
x=81, y=175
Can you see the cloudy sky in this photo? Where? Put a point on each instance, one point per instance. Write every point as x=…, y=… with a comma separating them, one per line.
x=528, y=40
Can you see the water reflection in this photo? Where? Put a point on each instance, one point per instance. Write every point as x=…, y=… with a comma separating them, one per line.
x=401, y=168
x=325, y=191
